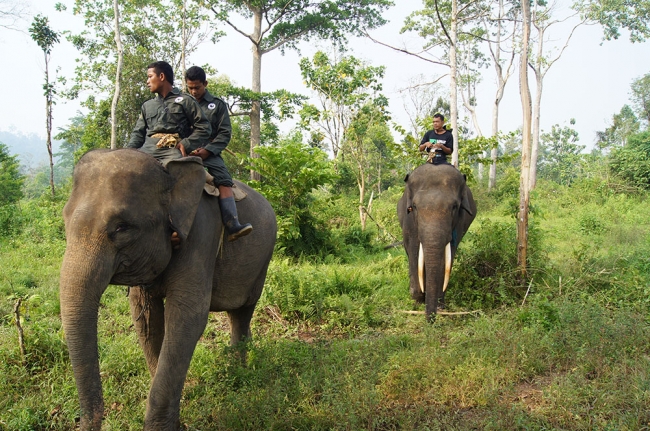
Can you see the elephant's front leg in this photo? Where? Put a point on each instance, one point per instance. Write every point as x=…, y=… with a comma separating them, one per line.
x=186, y=315
x=148, y=314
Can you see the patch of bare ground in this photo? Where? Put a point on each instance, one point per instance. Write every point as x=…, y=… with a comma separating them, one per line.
x=529, y=393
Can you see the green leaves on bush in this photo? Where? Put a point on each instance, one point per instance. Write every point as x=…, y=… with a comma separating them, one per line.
x=290, y=171
x=632, y=162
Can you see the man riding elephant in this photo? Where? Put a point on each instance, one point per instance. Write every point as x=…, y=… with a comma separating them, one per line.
x=216, y=111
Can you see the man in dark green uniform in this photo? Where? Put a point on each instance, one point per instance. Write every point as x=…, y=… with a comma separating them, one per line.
x=171, y=124
x=216, y=112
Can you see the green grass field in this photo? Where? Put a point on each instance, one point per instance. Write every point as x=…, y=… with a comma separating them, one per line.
x=335, y=349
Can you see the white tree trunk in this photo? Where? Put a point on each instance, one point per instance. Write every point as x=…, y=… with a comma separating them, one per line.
x=184, y=45
x=524, y=186
x=454, y=84
x=118, y=74
x=256, y=115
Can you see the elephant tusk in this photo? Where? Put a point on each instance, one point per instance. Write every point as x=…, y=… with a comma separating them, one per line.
x=447, y=266
x=421, y=268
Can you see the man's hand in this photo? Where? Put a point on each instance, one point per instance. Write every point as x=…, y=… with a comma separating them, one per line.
x=176, y=241
x=201, y=152
x=181, y=147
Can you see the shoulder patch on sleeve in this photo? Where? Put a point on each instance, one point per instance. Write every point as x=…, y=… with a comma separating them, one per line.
x=178, y=99
x=212, y=106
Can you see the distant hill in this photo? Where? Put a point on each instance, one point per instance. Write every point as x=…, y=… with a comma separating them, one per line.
x=31, y=149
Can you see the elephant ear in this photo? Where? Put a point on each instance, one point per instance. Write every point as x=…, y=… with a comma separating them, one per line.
x=465, y=202
x=189, y=178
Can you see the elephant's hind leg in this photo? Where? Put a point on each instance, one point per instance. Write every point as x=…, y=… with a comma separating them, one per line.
x=240, y=324
x=148, y=314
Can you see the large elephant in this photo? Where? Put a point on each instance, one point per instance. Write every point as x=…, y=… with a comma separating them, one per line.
x=435, y=211
x=121, y=213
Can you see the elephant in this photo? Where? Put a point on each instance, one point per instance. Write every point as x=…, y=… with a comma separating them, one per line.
x=435, y=211
x=123, y=207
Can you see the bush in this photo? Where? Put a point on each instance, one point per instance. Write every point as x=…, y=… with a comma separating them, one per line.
x=632, y=162
x=485, y=273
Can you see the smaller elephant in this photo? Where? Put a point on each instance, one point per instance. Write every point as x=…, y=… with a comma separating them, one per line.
x=434, y=212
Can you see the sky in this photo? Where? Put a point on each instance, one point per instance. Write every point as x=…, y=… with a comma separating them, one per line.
x=590, y=82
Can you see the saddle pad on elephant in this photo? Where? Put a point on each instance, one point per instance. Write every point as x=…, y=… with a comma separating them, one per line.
x=210, y=189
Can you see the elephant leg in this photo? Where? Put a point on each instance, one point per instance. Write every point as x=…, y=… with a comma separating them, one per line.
x=148, y=314
x=240, y=324
x=240, y=330
x=186, y=315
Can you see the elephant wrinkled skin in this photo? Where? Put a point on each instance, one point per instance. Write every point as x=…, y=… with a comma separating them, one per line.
x=435, y=212
x=122, y=210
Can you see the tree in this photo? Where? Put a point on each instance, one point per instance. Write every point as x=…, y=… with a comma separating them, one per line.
x=496, y=47
x=524, y=184
x=45, y=37
x=540, y=62
x=11, y=181
x=449, y=25
x=366, y=142
x=148, y=31
x=118, y=72
x=343, y=87
x=624, y=124
x=560, y=155
x=11, y=13
x=290, y=171
x=615, y=15
x=283, y=24
x=641, y=96
x=632, y=162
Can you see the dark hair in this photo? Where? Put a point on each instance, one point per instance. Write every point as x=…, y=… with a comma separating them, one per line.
x=195, y=73
x=164, y=68
x=439, y=115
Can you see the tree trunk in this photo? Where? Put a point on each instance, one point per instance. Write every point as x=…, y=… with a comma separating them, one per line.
x=184, y=46
x=539, y=79
x=118, y=74
x=256, y=115
x=48, y=120
x=362, y=195
x=524, y=186
x=454, y=84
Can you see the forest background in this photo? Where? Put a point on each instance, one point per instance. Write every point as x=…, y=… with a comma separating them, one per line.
x=566, y=349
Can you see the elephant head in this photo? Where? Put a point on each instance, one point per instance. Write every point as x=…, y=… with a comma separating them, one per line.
x=122, y=210
x=435, y=211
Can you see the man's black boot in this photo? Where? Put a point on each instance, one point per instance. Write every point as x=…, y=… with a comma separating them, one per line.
x=229, y=218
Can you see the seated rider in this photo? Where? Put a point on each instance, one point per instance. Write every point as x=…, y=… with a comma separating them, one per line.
x=216, y=111
x=439, y=140
x=170, y=124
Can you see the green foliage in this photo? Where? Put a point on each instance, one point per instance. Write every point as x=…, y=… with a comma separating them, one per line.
x=641, y=96
x=615, y=15
x=624, y=124
x=560, y=154
x=632, y=162
x=290, y=171
x=485, y=270
x=300, y=20
x=11, y=180
x=42, y=34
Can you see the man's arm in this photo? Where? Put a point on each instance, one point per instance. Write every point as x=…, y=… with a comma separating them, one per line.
x=224, y=130
x=139, y=132
x=200, y=126
x=424, y=143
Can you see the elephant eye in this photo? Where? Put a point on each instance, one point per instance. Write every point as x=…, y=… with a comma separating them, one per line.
x=121, y=227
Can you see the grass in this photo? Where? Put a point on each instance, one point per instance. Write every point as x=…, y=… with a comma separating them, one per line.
x=333, y=349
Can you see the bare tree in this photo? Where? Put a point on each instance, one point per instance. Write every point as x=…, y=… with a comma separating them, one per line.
x=524, y=184
x=12, y=13
x=118, y=73
x=540, y=63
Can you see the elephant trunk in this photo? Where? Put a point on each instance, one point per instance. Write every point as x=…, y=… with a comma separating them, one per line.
x=433, y=258
x=82, y=283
